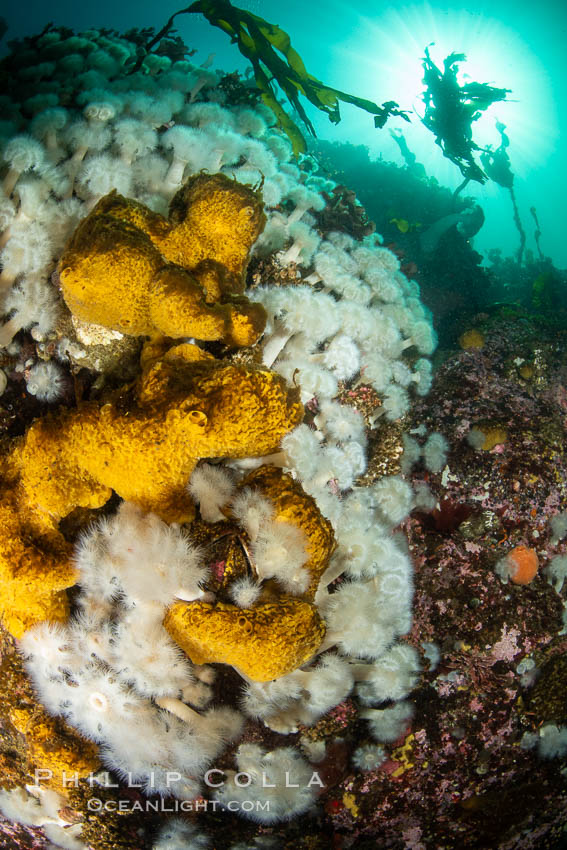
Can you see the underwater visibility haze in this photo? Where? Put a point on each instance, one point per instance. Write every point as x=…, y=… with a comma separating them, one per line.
x=283, y=416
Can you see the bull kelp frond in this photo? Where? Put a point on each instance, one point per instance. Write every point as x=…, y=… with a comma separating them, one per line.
x=268, y=48
x=452, y=108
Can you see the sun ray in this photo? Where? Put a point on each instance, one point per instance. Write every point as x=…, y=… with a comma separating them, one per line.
x=380, y=59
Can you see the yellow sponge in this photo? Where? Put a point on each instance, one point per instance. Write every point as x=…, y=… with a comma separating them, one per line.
x=130, y=269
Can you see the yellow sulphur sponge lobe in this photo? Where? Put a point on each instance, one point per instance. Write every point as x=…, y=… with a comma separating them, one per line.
x=58, y=757
x=264, y=642
x=279, y=633
x=130, y=269
x=143, y=444
x=293, y=505
x=35, y=565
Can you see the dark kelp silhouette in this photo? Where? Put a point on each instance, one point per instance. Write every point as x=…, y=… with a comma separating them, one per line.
x=497, y=166
x=408, y=155
x=273, y=59
x=537, y=234
x=451, y=108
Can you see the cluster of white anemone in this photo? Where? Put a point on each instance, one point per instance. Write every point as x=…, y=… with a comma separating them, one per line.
x=359, y=321
x=364, y=616
x=115, y=675
x=143, y=134
x=112, y=672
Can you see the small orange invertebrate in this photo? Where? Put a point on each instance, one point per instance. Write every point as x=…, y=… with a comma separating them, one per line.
x=523, y=564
